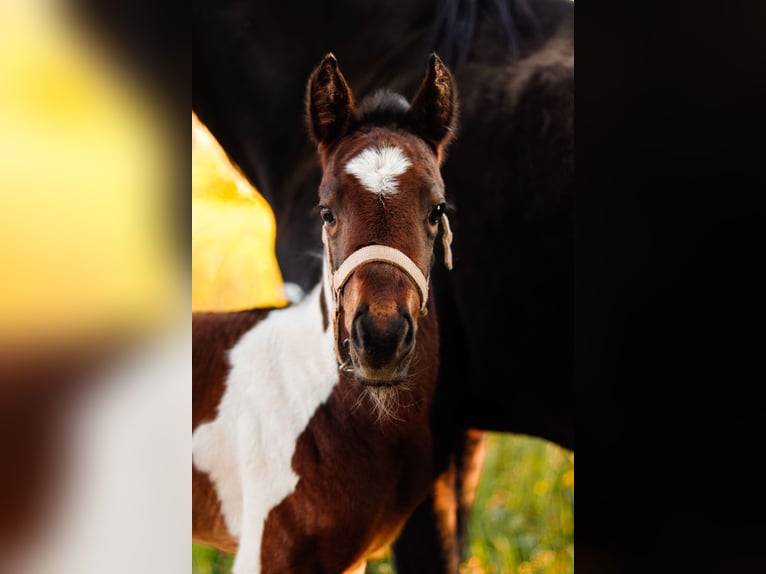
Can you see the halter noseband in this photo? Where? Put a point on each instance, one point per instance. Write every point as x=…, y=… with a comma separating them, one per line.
x=337, y=279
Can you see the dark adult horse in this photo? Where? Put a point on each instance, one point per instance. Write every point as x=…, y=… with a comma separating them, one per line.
x=506, y=311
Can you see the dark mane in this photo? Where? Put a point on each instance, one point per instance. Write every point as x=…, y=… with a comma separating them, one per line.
x=381, y=108
x=386, y=108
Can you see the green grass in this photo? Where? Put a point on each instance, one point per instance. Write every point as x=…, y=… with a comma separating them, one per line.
x=523, y=517
x=206, y=560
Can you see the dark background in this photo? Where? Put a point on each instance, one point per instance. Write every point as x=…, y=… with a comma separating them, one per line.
x=669, y=150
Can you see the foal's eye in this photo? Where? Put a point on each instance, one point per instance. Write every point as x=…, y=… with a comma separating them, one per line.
x=326, y=215
x=436, y=213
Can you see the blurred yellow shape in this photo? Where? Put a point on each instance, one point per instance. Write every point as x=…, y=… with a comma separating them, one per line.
x=233, y=233
x=85, y=232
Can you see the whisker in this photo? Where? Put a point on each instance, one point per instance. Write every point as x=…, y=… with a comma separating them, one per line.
x=384, y=402
x=358, y=402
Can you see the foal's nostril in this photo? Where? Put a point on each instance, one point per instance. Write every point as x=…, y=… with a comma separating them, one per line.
x=357, y=329
x=409, y=331
x=356, y=338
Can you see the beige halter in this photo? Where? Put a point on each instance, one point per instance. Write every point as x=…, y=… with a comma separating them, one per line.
x=337, y=279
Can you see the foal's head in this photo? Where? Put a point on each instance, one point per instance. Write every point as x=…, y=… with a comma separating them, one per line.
x=381, y=186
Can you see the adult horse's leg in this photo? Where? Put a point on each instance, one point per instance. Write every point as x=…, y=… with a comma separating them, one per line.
x=469, y=463
x=436, y=535
x=429, y=543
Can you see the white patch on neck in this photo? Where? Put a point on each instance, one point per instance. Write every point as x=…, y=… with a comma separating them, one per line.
x=282, y=370
x=377, y=167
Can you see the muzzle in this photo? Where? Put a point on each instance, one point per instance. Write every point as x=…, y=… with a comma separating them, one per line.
x=380, y=253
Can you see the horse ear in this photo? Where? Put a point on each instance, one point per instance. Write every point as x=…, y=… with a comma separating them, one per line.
x=434, y=108
x=329, y=103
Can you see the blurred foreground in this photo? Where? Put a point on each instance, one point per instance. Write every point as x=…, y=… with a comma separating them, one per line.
x=95, y=360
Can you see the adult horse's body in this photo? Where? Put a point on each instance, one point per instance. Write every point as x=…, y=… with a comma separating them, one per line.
x=506, y=312
x=312, y=439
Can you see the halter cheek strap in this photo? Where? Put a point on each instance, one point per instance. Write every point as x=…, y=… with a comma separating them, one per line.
x=383, y=253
